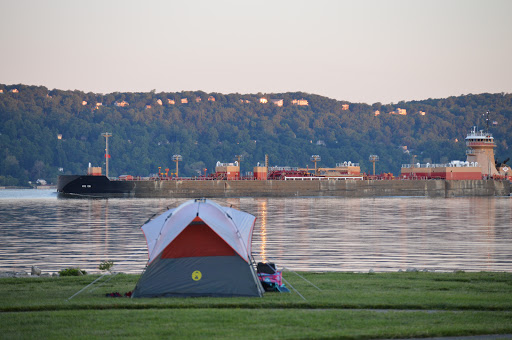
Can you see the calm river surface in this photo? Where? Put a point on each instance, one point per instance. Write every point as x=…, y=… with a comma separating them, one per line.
x=314, y=234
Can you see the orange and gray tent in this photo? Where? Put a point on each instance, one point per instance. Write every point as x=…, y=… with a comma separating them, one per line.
x=199, y=249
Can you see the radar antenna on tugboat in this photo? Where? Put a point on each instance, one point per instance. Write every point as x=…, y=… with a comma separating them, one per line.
x=487, y=122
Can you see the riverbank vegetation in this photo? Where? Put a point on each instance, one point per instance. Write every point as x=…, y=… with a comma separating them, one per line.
x=44, y=133
x=346, y=305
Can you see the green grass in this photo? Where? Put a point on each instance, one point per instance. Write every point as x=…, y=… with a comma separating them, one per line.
x=350, y=305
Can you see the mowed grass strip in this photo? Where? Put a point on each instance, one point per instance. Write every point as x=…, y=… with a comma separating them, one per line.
x=349, y=305
x=249, y=324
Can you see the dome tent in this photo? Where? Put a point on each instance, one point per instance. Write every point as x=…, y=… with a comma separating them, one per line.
x=199, y=249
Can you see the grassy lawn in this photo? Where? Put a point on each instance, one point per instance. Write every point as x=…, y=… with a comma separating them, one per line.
x=349, y=305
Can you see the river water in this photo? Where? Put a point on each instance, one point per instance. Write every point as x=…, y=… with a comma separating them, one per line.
x=313, y=234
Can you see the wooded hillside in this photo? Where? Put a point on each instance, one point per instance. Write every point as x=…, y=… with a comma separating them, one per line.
x=151, y=128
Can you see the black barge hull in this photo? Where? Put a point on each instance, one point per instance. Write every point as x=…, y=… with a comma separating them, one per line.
x=101, y=186
x=94, y=186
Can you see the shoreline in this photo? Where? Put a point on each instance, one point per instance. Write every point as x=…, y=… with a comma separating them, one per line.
x=24, y=274
x=38, y=187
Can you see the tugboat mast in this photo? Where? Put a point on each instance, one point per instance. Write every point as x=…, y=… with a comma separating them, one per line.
x=107, y=155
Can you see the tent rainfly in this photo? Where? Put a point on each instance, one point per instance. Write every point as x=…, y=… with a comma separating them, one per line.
x=199, y=249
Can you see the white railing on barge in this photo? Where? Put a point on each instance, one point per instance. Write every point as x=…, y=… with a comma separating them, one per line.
x=289, y=178
x=457, y=164
x=345, y=164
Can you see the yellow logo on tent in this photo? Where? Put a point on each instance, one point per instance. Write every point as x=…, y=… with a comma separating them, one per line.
x=196, y=276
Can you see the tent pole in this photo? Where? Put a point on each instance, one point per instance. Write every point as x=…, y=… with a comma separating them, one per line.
x=140, y=277
x=249, y=255
x=160, y=233
x=254, y=272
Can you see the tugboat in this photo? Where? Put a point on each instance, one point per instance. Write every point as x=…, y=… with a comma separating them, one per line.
x=479, y=164
x=481, y=151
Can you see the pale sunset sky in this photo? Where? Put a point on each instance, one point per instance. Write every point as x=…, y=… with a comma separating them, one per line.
x=359, y=51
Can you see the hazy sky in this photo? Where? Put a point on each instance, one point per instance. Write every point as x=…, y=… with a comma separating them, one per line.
x=360, y=51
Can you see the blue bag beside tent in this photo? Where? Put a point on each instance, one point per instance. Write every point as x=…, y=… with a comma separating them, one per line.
x=271, y=279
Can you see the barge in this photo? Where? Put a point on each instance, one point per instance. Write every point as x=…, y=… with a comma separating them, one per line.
x=101, y=186
x=479, y=175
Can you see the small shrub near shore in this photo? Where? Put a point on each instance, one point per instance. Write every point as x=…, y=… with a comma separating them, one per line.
x=106, y=265
x=72, y=272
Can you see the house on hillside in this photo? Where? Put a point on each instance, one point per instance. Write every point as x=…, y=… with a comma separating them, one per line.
x=300, y=102
x=278, y=102
x=211, y=99
x=121, y=104
x=399, y=111
x=159, y=102
x=263, y=100
x=344, y=107
x=402, y=112
x=171, y=101
x=184, y=100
